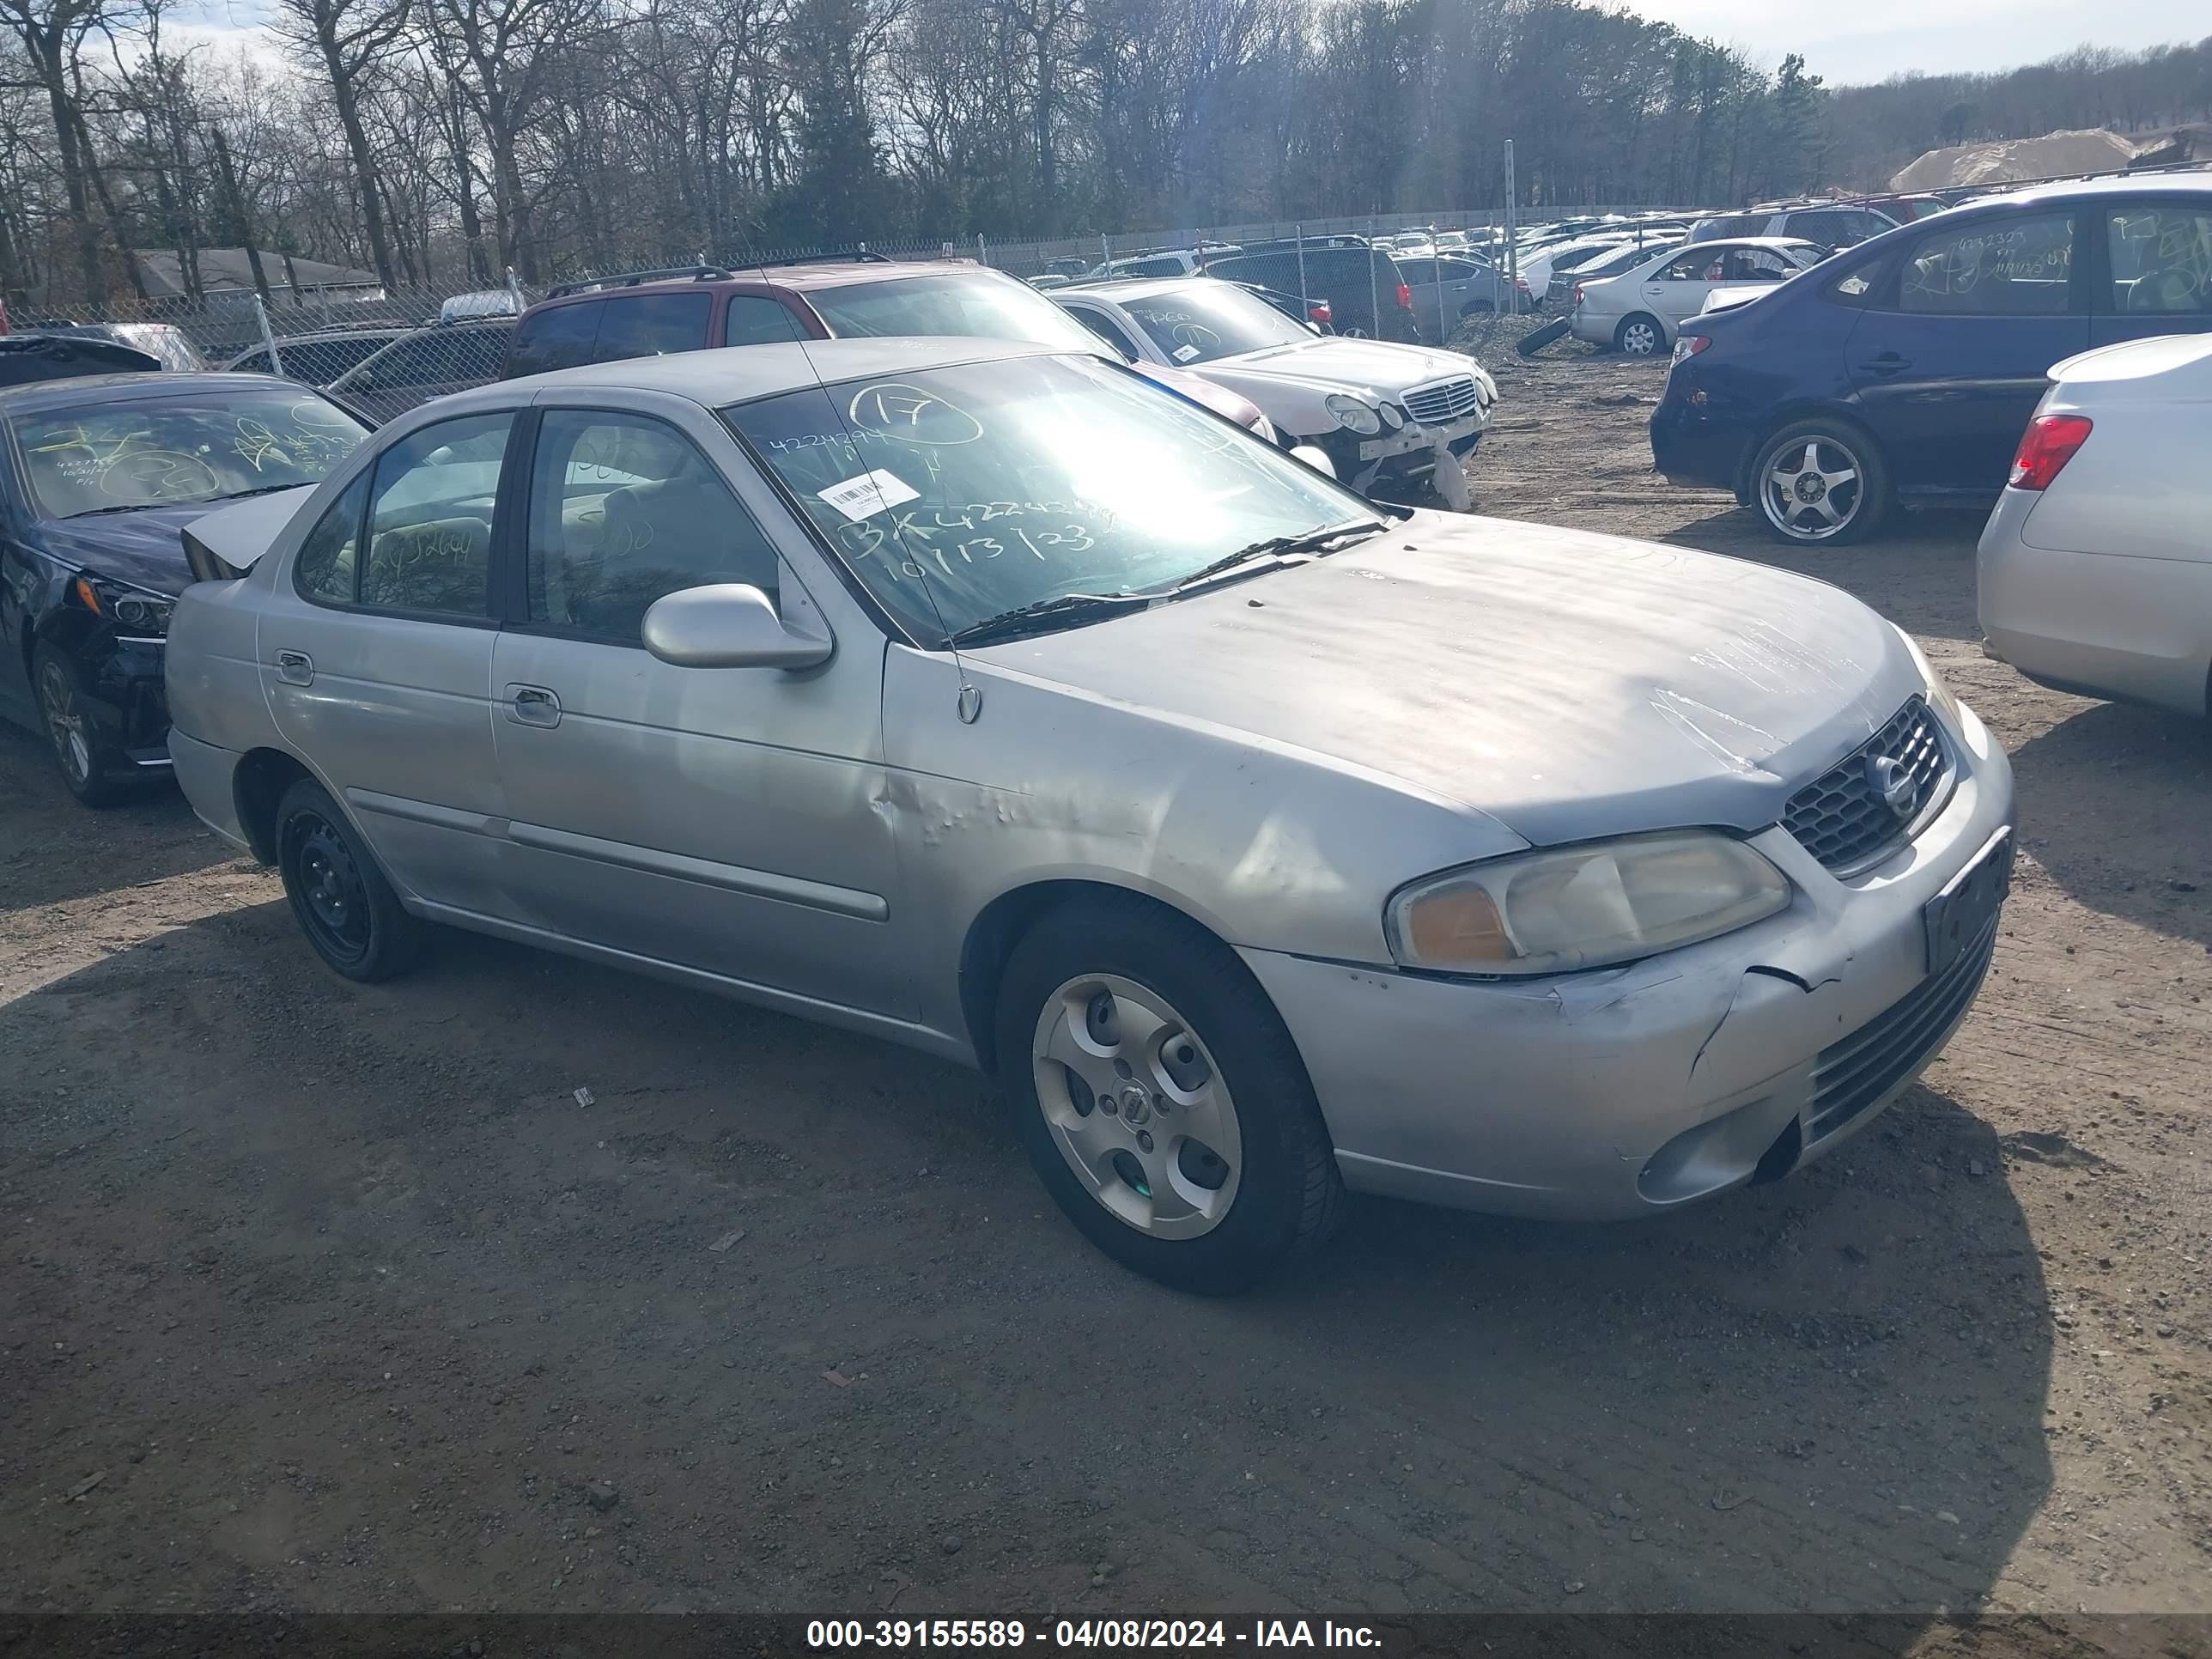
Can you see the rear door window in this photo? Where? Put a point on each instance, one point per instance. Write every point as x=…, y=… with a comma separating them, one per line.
x=2014, y=266
x=755, y=320
x=2160, y=258
x=559, y=337
x=652, y=325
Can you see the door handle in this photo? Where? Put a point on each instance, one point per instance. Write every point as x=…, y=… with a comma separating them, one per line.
x=295, y=668
x=532, y=705
x=1887, y=364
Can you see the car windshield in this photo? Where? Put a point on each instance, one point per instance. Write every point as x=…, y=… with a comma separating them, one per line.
x=1199, y=322
x=961, y=493
x=978, y=307
x=163, y=450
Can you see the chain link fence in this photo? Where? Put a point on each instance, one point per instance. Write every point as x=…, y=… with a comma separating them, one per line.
x=382, y=350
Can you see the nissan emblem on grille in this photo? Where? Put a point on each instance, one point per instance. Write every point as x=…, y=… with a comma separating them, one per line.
x=1888, y=779
x=1853, y=813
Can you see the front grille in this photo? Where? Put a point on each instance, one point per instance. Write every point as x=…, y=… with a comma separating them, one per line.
x=1853, y=1075
x=1842, y=818
x=1441, y=401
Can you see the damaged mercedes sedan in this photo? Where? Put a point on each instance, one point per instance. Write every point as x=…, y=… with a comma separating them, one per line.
x=1261, y=844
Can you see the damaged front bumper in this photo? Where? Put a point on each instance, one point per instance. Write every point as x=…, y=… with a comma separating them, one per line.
x=1627, y=1091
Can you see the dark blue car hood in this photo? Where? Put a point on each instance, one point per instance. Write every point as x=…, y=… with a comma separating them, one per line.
x=144, y=547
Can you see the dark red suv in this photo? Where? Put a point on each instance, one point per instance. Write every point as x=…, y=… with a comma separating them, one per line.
x=647, y=313
x=650, y=312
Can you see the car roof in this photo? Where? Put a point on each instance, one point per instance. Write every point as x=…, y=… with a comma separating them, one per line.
x=760, y=279
x=1742, y=241
x=2121, y=183
x=1120, y=288
x=736, y=374
x=94, y=389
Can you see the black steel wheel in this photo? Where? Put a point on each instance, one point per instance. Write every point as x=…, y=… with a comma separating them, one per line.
x=342, y=901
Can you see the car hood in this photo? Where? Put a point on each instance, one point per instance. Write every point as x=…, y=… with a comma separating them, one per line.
x=143, y=548
x=1566, y=683
x=1338, y=363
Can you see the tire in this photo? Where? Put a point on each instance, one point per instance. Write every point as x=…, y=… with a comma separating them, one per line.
x=92, y=769
x=339, y=896
x=1226, y=1174
x=1640, y=336
x=1849, y=500
x=1534, y=341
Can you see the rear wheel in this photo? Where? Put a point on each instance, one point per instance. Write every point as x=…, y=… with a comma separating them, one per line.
x=339, y=898
x=1639, y=336
x=92, y=768
x=1160, y=1099
x=1820, y=482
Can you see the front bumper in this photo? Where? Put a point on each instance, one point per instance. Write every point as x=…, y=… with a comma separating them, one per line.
x=1420, y=443
x=1629, y=1091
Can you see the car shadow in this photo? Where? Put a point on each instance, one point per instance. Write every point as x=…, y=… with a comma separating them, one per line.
x=53, y=850
x=721, y=1245
x=2113, y=803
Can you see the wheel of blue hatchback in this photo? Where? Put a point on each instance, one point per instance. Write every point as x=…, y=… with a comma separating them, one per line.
x=91, y=769
x=340, y=898
x=1820, y=482
x=1160, y=1098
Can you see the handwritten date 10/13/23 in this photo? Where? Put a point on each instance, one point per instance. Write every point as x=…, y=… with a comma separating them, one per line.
x=829, y=1635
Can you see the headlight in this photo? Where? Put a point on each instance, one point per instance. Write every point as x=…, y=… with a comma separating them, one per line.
x=1583, y=907
x=133, y=610
x=1938, y=694
x=1391, y=417
x=1351, y=413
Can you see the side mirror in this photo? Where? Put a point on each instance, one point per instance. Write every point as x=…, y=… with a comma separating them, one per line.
x=729, y=625
x=1315, y=457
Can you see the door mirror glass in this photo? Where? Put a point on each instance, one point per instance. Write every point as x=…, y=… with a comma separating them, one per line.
x=728, y=625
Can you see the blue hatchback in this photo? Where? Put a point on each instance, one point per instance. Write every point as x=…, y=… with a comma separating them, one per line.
x=1904, y=370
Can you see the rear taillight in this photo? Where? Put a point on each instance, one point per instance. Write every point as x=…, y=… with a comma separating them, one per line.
x=1319, y=314
x=2044, y=449
x=1689, y=345
x=1405, y=297
x=1578, y=293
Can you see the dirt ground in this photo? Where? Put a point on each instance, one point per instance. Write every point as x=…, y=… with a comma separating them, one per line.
x=315, y=1296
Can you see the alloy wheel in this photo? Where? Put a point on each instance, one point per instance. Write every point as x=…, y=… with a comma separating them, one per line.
x=65, y=723
x=1813, y=491
x=1639, y=339
x=1137, y=1106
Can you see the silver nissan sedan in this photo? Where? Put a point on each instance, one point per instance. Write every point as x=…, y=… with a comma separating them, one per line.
x=1261, y=842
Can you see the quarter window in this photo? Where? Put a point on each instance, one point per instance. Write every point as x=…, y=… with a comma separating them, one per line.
x=2161, y=260
x=559, y=338
x=624, y=509
x=1992, y=267
x=652, y=325
x=326, y=566
x=430, y=517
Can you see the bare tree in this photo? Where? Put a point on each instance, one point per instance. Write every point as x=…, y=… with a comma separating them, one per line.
x=348, y=40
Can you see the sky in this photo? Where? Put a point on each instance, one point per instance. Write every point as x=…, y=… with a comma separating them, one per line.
x=1873, y=40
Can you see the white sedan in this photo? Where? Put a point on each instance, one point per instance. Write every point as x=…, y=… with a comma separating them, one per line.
x=1640, y=311
x=1379, y=411
x=2094, y=574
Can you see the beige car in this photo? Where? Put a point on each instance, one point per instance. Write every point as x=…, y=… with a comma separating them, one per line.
x=1640, y=311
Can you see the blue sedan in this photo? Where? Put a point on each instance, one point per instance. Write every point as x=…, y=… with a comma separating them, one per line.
x=99, y=476
x=1903, y=371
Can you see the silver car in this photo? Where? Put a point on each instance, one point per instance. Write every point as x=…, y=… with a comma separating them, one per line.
x=1261, y=842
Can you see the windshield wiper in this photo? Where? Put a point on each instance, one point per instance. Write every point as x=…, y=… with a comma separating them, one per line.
x=1277, y=551
x=264, y=490
x=120, y=507
x=1042, y=615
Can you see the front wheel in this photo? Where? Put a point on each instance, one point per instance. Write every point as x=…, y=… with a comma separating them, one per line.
x=339, y=898
x=1160, y=1098
x=1820, y=484
x=92, y=769
x=1639, y=337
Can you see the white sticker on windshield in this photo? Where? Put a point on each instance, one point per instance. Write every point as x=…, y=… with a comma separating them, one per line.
x=1183, y=354
x=871, y=493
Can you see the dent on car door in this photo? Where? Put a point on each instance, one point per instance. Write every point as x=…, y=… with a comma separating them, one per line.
x=375, y=652
x=725, y=820
x=1950, y=356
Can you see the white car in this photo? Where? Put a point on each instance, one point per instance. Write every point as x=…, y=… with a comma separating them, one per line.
x=1537, y=266
x=2094, y=574
x=1376, y=409
x=1640, y=311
